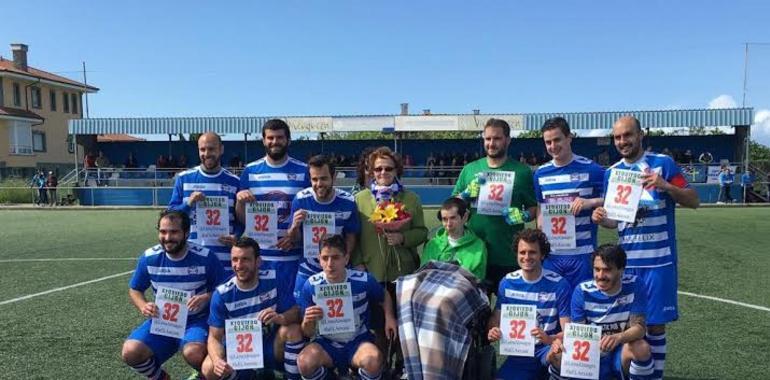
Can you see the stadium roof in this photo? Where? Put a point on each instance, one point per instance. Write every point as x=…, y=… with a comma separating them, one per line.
x=399, y=123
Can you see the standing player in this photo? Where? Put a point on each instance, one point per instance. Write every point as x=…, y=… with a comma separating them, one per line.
x=492, y=227
x=532, y=285
x=209, y=179
x=275, y=178
x=340, y=350
x=617, y=303
x=650, y=241
x=174, y=263
x=253, y=293
x=573, y=179
x=323, y=197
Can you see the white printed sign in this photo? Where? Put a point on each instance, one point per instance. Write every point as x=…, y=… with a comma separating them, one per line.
x=244, y=343
x=336, y=300
x=172, y=312
x=262, y=223
x=624, y=191
x=516, y=322
x=315, y=226
x=580, y=358
x=495, y=194
x=559, y=225
x=212, y=219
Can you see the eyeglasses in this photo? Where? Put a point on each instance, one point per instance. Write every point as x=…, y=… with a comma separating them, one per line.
x=385, y=168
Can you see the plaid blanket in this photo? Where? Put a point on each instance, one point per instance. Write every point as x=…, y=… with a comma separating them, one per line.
x=435, y=304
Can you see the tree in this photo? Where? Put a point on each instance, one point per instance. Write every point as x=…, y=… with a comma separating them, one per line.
x=758, y=152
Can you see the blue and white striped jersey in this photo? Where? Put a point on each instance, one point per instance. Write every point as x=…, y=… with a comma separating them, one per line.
x=550, y=293
x=365, y=289
x=612, y=312
x=278, y=184
x=346, y=220
x=222, y=184
x=198, y=271
x=651, y=240
x=231, y=302
x=581, y=178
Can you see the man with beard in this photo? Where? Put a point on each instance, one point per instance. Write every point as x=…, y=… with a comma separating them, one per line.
x=616, y=302
x=574, y=180
x=276, y=178
x=178, y=264
x=321, y=196
x=209, y=179
x=489, y=224
x=253, y=293
x=650, y=241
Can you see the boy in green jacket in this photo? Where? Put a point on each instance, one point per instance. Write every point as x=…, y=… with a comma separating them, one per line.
x=454, y=242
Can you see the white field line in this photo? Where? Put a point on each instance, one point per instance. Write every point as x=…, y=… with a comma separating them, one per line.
x=69, y=259
x=731, y=302
x=22, y=298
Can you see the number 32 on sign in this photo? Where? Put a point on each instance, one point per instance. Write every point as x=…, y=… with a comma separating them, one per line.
x=624, y=190
x=244, y=343
x=580, y=359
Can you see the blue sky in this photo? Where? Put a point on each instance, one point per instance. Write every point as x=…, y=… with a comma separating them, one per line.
x=194, y=58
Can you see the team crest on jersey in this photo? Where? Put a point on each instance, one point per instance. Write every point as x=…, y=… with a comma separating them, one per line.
x=193, y=270
x=543, y=297
x=291, y=176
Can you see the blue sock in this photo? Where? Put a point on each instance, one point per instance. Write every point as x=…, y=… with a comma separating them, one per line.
x=148, y=368
x=290, y=352
x=642, y=370
x=658, y=347
x=367, y=376
x=319, y=374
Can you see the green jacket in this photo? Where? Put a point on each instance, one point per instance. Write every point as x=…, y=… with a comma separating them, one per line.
x=470, y=252
x=386, y=263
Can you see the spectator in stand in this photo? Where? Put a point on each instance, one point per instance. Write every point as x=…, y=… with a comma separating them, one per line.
x=706, y=158
x=544, y=158
x=747, y=183
x=51, y=183
x=182, y=161
x=603, y=158
x=667, y=152
x=89, y=163
x=161, y=162
x=235, y=162
x=532, y=160
x=408, y=160
x=687, y=157
x=363, y=177
x=726, y=179
x=130, y=162
x=522, y=158
x=102, y=165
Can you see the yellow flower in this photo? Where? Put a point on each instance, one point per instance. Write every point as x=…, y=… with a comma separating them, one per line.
x=390, y=213
x=376, y=216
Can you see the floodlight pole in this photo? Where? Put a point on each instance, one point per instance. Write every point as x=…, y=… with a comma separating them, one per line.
x=743, y=104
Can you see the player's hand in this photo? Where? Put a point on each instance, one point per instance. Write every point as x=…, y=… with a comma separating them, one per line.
x=313, y=313
x=540, y=335
x=228, y=240
x=609, y=342
x=391, y=327
x=557, y=348
x=652, y=179
x=494, y=334
x=394, y=238
x=599, y=214
x=577, y=205
x=221, y=368
x=197, y=302
x=196, y=196
x=285, y=243
x=245, y=196
x=150, y=310
x=268, y=316
x=299, y=217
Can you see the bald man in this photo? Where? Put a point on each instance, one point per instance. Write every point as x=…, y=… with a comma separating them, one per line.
x=650, y=241
x=209, y=179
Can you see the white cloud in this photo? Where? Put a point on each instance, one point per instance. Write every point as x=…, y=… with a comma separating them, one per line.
x=760, y=131
x=723, y=101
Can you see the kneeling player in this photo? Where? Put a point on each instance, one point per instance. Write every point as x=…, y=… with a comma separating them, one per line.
x=252, y=293
x=342, y=349
x=617, y=303
x=532, y=285
x=176, y=264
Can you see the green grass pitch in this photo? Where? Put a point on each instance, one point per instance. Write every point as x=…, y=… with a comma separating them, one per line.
x=77, y=333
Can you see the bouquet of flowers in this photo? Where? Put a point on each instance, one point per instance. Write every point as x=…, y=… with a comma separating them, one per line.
x=389, y=216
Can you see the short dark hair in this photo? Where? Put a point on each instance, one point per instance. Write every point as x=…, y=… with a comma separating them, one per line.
x=557, y=122
x=611, y=254
x=531, y=235
x=276, y=125
x=333, y=241
x=174, y=216
x=499, y=123
x=319, y=160
x=454, y=202
x=362, y=168
x=247, y=242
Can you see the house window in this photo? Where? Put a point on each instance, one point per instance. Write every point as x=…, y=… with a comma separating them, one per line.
x=38, y=141
x=52, y=97
x=74, y=103
x=20, y=138
x=16, y=95
x=36, y=95
x=2, y=95
x=65, y=101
